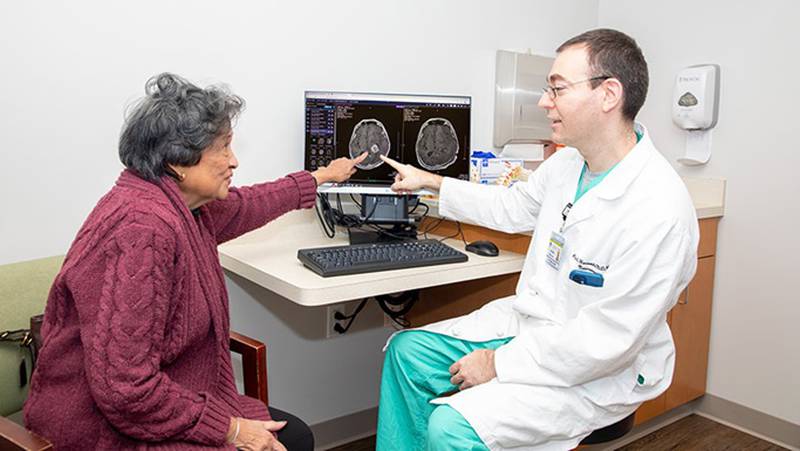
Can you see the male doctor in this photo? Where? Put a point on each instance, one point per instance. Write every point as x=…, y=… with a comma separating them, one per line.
x=584, y=341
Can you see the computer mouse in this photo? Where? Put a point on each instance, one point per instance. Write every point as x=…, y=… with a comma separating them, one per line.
x=483, y=247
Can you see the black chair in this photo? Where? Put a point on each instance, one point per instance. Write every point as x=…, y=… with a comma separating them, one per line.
x=610, y=432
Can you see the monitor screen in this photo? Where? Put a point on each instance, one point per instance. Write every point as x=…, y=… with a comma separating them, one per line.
x=430, y=132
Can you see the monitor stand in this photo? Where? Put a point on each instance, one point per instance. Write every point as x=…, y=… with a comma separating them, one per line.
x=385, y=210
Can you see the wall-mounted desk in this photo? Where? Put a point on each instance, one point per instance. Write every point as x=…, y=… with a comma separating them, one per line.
x=268, y=257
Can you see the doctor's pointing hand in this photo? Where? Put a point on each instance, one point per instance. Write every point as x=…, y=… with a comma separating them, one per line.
x=409, y=178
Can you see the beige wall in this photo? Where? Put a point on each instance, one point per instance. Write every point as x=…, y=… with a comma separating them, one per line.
x=755, y=343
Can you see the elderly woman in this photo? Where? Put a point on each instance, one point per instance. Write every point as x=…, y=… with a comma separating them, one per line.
x=136, y=327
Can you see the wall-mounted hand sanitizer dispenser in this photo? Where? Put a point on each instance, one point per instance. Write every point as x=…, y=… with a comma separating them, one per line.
x=695, y=99
x=695, y=107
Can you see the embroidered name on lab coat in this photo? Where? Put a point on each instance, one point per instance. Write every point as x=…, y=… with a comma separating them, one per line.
x=583, y=264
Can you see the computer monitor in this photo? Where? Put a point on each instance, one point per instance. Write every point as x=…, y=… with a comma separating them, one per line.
x=431, y=132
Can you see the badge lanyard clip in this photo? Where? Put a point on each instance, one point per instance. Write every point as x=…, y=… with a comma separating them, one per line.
x=564, y=214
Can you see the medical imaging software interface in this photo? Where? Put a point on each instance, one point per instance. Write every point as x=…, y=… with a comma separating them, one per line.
x=429, y=132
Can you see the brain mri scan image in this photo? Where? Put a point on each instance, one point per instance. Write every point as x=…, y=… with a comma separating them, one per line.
x=437, y=144
x=369, y=135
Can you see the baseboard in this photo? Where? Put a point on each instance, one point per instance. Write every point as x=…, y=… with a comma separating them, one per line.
x=728, y=413
x=750, y=421
x=345, y=429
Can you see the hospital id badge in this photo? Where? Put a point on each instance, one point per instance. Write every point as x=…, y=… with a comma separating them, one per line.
x=554, y=249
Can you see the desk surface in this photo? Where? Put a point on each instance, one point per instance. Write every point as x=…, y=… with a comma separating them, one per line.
x=268, y=257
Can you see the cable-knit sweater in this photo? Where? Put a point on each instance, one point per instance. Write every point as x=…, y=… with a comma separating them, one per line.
x=136, y=333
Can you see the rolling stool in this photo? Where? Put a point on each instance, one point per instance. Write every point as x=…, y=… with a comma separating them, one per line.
x=610, y=432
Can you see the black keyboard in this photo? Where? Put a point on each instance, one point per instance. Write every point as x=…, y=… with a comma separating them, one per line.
x=361, y=258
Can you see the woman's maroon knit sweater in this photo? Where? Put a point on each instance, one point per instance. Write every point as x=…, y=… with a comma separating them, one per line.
x=136, y=334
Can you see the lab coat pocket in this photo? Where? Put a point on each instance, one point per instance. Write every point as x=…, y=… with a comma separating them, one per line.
x=578, y=296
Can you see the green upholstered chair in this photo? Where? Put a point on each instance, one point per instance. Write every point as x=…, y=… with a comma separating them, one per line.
x=24, y=288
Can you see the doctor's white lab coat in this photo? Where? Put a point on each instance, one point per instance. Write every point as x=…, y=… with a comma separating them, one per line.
x=583, y=357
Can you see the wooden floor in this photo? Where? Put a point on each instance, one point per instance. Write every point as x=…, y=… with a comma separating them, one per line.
x=366, y=444
x=693, y=433
x=696, y=433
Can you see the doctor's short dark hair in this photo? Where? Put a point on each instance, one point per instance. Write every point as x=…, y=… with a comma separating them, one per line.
x=173, y=123
x=615, y=54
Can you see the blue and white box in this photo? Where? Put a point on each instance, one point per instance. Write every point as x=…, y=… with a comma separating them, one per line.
x=485, y=168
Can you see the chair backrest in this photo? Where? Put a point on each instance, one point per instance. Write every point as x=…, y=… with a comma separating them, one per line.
x=24, y=287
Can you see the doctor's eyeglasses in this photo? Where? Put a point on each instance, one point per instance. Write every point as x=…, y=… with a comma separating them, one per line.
x=553, y=91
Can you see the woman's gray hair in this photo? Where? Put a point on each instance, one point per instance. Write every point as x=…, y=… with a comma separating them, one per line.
x=173, y=124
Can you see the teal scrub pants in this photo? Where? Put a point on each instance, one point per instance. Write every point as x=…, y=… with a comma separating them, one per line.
x=415, y=371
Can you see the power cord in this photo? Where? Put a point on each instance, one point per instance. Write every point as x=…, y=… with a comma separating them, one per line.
x=431, y=228
x=395, y=306
x=459, y=231
x=330, y=217
x=326, y=215
x=427, y=209
x=339, y=316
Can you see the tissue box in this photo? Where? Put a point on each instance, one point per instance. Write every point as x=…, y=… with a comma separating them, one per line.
x=487, y=170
